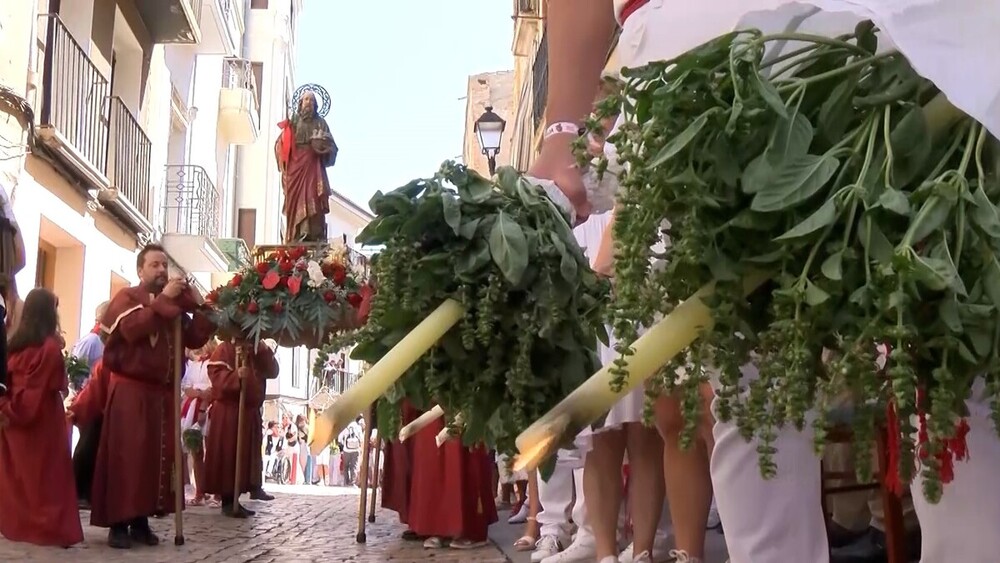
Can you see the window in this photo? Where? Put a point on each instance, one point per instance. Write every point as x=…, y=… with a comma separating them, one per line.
x=258, y=4
x=258, y=77
x=45, y=268
x=246, y=226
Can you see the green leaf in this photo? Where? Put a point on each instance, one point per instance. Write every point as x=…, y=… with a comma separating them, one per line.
x=837, y=111
x=936, y=274
x=452, y=212
x=984, y=214
x=682, y=140
x=991, y=280
x=468, y=229
x=911, y=146
x=822, y=217
x=874, y=240
x=476, y=190
x=568, y=267
x=895, y=201
x=790, y=140
x=795, y=182
x=476, y=256
x=948, y=311
x=770, y=95
x=756, y=175
x=814, y=295
x=509, y=248
x=833, y=267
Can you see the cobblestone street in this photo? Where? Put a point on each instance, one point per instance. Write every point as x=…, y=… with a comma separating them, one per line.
x=303, y=524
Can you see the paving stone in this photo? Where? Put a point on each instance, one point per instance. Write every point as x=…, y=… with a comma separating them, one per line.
x=302, y=525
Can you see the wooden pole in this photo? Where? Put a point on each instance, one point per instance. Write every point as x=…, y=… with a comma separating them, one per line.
x=240, y=363
x=178, y=446
x=361, y=537
x=377, y=446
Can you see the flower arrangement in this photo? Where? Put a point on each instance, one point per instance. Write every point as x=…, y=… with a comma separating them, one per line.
x=297, y=295
x=77, y=371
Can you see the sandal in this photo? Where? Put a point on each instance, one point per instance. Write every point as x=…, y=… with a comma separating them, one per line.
x=466, y=544
x=524, y=543
x=196, y=501
x=433, y=543
x=213, y=503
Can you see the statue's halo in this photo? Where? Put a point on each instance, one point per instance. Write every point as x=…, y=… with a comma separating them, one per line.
x=322, y=99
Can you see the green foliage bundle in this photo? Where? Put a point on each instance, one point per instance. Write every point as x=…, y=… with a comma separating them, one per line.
x=868, y=199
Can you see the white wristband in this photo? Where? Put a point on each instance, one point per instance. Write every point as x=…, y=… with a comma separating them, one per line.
x=562, y=128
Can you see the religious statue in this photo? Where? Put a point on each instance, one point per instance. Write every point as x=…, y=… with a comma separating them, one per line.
x=304, y=150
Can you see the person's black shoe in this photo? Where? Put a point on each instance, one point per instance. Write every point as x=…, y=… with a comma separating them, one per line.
x=839, y=536
x=141, y=533
x=239, y=512
x=869, y=548
x=118, y=538
x=261, y=494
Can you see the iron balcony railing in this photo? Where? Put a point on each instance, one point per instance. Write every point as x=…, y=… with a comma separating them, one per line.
x=238, y=73
x=75, y=95
x=97, y=127
x=192, y=202
x=337, y=380
x=526, y=7
x=129, y=158
x=540, y=80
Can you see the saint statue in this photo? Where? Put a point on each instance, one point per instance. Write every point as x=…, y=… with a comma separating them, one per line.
x=304, y=151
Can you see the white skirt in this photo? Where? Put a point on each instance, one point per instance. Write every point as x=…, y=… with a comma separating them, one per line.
x=627, y=409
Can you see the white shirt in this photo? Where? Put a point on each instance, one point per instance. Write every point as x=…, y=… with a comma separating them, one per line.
x=196, y=376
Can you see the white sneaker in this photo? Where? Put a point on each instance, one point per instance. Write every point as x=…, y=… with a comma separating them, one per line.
x=680, y=556
x=661, y=552
x=546, y=547
x=577, y=552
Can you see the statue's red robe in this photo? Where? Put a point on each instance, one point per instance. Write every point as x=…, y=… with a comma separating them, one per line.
x=136, y=455
x=37, y=491
x=223, y=417
x=451, y=492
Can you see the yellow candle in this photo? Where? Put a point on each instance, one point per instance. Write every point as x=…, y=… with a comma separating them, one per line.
x=420, y=423
x=382, y=375
x=652, y=350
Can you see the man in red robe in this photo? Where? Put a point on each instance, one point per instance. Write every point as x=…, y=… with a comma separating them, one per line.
x=132, y=478
x=451, y=491
x=304, y=150
x=223, y=419
x=397, y=471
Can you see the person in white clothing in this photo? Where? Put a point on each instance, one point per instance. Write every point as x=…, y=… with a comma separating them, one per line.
x=781, y=520
x=196, y=388
x=562, y=507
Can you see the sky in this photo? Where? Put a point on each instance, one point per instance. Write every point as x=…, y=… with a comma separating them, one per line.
x=395, y=71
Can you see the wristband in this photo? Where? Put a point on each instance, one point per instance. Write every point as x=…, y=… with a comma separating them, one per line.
x=562, y=128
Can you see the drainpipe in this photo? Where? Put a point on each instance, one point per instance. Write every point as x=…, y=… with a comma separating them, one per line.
x=238, y=153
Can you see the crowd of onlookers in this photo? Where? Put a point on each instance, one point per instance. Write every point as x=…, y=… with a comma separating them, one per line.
x=288, y=459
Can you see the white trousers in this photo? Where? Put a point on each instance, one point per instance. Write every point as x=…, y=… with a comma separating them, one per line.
x=561, y=498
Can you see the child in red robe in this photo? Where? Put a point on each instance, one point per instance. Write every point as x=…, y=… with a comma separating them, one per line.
x=451, y=497
x=37, y=491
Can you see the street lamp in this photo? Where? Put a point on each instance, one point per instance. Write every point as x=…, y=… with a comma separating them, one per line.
x=489, y=129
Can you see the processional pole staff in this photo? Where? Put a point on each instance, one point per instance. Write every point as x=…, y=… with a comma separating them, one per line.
x=178, y=447
x=361, y=537
x=377, y=446
x=238, y=473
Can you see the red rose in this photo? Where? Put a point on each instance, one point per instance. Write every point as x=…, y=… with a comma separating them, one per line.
x=286, y=266
x=263, y=268
x=294, y=285
x=237, y=280
x=277, y=307
x=329, y=296
x=212, y=296
x=354, y=299
x=297, y=252
x=339, y=275
x=271, y=280
x=327, y=269
x=253, y=307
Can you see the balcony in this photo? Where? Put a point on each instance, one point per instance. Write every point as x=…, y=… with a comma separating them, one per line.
x=90, y=136
x=171, y=21
x=192, y=219
x=221, y=27
x=239, y=111
x=527, y=25
x=540, y=81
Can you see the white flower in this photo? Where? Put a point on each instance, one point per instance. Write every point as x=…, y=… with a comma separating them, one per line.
x=315, y=272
